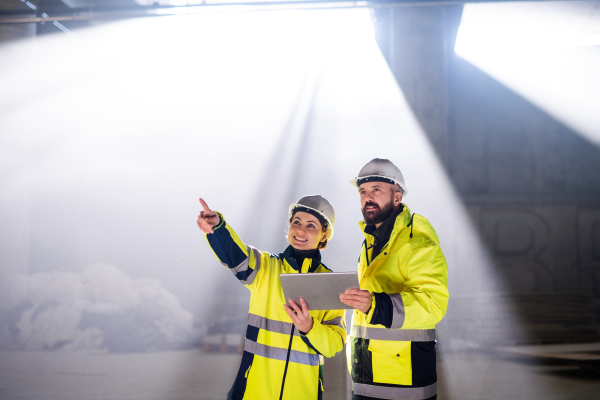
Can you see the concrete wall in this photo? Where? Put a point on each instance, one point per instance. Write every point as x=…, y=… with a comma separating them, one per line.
x=530, y=184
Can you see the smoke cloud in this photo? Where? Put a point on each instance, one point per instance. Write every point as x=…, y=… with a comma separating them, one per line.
x=100, y=309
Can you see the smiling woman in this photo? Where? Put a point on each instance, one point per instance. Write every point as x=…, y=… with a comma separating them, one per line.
x=308, y=335
x=306, y=232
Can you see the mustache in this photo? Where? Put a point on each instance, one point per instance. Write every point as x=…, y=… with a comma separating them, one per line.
x=371, y=204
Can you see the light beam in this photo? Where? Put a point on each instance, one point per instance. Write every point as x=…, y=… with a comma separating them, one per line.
x=548, y=52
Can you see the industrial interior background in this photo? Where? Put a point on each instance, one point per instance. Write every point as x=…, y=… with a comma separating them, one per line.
x=527, y=179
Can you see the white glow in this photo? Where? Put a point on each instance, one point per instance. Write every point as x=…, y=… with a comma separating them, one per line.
x=543, y=51
x=147, y=113
x=106, y=149
x=528, y=25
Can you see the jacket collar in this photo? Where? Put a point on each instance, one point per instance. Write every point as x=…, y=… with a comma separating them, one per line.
x=288, y=255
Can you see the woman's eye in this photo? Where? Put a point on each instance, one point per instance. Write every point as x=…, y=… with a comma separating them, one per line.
x=296, y=223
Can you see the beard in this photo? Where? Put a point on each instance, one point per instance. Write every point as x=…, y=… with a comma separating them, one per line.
x=380, y=214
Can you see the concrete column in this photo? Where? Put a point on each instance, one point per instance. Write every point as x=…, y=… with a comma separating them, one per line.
x=417, y=43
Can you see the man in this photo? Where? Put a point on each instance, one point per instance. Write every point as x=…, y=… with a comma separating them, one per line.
x=403, y=293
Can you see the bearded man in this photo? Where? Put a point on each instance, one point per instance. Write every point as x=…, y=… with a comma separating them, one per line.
x=403, y=293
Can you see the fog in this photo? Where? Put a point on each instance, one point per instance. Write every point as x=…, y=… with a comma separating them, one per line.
x=106, y=149
x=91, y=311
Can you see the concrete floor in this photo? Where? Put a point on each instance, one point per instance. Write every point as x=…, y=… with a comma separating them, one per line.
x=199, y=376
x=472, y=375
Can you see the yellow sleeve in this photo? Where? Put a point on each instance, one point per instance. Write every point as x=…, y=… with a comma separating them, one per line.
x=424, y=299
x=328, y=335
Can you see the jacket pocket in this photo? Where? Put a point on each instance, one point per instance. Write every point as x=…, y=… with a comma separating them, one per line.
x=391, y=362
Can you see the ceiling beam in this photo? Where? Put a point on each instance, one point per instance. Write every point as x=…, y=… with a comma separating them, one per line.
x=109, y=13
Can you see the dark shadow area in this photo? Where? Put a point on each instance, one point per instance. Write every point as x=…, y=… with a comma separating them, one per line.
x=508, y=151
x=577, y=373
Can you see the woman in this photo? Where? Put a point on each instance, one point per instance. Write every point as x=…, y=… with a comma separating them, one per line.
x=282, y=359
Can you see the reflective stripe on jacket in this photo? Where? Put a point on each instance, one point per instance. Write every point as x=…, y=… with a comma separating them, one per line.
x=268, y=333
x=399, y=362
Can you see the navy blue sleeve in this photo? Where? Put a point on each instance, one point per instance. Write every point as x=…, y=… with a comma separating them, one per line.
x=383, y=314
x=225, y=247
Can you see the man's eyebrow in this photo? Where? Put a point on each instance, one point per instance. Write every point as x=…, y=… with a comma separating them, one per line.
x=377, y=185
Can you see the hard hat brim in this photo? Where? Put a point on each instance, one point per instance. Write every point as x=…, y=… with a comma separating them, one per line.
x=354, y=182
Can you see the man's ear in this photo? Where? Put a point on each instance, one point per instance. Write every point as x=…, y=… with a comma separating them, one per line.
x=397, y=198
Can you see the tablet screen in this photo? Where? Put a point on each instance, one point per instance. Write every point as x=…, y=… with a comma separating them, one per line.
x=321, y=291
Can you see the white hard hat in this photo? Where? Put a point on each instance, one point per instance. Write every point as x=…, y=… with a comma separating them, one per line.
x=317, y=205
x=380, y=169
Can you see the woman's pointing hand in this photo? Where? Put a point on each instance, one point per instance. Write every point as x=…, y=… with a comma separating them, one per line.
x=207, y=219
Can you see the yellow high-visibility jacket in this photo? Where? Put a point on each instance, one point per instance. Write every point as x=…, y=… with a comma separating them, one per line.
x=267, y=344
x=391, y=351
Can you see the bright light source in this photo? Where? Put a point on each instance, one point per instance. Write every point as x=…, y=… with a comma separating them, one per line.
x=493, y=26
x=542, y=50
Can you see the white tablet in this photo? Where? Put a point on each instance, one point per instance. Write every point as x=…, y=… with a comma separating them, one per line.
x=321, y=291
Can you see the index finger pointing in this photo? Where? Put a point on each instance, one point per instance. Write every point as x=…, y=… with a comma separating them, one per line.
x=205, y=206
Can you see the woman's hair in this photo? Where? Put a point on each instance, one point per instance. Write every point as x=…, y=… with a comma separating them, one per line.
x=323, y=221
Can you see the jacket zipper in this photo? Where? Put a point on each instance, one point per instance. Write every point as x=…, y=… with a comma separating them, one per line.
x=287, y=358
x=367, y=251
x=287, y=361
